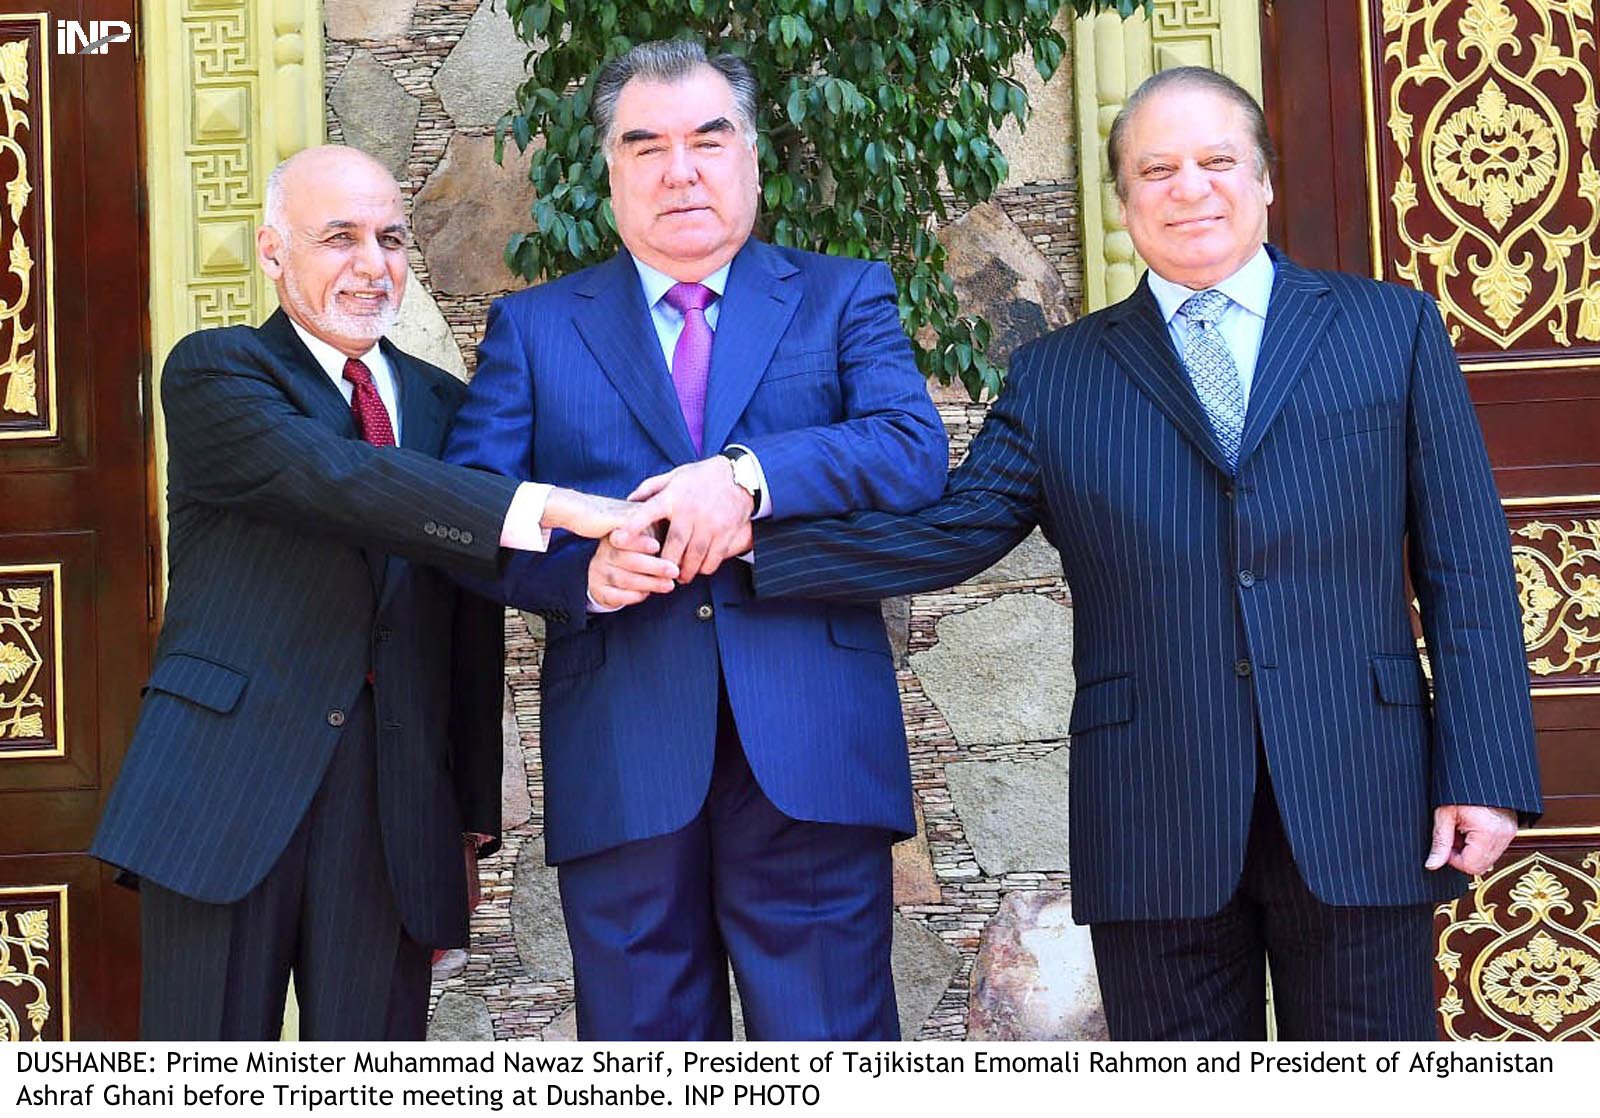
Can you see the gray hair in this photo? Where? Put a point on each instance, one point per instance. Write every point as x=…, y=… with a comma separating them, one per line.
x=670, y=60
x=1189, y=77
x=272, y=203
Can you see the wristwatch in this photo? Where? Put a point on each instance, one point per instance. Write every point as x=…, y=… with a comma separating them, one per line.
x=744, y=474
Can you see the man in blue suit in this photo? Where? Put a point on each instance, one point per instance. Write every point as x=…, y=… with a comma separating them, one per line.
x=723, y=776
x=1235, y=464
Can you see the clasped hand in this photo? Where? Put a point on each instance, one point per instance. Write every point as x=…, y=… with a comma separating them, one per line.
x=708, y=522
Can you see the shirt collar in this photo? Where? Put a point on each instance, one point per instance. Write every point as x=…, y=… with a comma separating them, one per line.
x=1250, y=287
x=331, y=359
x=656, y=284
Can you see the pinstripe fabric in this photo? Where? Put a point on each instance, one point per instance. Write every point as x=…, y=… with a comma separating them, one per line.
x=1355, y=972
x=325, y=909
x=291, y=545
x=1208, y=610
x=811, y=370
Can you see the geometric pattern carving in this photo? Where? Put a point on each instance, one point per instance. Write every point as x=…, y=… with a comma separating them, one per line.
x=1520, y=953
x=1186, y=33
x=1558, y=583
x=27, y=378
x=1487, y=173
x=31, y=661
x=33, y=964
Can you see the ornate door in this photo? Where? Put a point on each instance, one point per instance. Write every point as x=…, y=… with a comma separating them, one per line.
x=1451, y=145
x=76, y=567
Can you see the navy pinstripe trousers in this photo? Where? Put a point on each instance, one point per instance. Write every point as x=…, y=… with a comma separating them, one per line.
x=1341, y=972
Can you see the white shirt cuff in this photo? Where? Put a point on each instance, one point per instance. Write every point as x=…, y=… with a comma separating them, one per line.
x=596, y=607
x=522, y=530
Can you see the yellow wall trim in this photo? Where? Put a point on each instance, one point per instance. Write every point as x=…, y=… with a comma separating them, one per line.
x=231, y=88
x=1110, y=58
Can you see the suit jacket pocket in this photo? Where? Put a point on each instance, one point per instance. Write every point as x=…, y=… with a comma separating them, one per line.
x=859, y=628
x=1106, y=702
x=202, y=682
x=786, y=365
x=574, y=655
x=1355, y=421
x=1399, y=681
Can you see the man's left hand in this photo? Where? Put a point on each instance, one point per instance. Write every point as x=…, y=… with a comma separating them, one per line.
x=708, y=515
x=1470, y=837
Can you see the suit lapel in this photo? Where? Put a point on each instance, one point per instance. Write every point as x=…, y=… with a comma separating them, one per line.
x=1138, y=339
x=615, y=324
x=756, y=309
x=1297, y=315
x=303, y=379
x=423, y=410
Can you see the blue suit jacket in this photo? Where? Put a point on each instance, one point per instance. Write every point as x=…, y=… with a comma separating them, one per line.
x=812, y=371
x=1210, y=609
x=296, y=554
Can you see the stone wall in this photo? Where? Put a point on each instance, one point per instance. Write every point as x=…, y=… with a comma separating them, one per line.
x=983, y=945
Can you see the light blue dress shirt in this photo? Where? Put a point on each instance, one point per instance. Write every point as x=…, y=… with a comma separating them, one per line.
x=667, y=320
x=1241, y=325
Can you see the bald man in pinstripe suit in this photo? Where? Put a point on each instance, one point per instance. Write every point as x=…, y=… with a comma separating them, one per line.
x=1235, y=464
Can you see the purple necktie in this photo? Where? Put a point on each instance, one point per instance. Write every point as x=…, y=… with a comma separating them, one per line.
x=691, y=359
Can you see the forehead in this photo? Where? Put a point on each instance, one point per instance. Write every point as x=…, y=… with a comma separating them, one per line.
x=344, y=193
x=1185, y=120
x=675, y=106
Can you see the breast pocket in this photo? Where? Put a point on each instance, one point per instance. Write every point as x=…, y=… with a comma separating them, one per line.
x=1358, y=421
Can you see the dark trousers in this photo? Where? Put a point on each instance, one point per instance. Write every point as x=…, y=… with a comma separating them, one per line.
x=801, y=910
x=1338, y=973
x=325, y=910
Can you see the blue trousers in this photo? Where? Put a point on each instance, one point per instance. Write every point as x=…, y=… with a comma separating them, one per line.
x=800, y=910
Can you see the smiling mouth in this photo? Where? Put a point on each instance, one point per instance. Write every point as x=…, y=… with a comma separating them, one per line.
x=1194, y=222
x=367, y=300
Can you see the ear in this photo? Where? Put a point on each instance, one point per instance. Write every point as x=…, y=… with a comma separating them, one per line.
x=1266, y=189
x=1122, y=211
x=269, y=252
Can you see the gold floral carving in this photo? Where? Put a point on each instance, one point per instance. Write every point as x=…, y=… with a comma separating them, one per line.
x=1502, y=185
x=24, y=952
x=30, y=661
x=19, y=384
x=1534, y=972
x=1558, y=585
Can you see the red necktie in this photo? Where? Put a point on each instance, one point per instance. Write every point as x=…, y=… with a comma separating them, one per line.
x=372, y=418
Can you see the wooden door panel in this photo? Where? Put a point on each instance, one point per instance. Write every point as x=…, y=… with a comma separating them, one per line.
x=75, y=570
x=1426, y=142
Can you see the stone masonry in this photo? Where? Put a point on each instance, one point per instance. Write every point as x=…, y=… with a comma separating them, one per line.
x=982, y=893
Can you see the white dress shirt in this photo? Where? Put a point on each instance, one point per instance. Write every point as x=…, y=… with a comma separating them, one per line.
x=1248, y=290
x=521, y=529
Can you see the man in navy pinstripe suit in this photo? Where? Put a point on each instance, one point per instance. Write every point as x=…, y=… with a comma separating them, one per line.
x=322, y=724
x=1235, y=464
x=723, y=777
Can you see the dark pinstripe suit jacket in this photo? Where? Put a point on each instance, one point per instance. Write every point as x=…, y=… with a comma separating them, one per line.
x=1210, y=609
x=294, y=551
x=813, y=372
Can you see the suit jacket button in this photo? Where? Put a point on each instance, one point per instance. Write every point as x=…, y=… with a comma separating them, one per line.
x=704, y=613
x=1241, y=668
x=454, y=533
x=431, y=528
x=1247, y=578
x=336, y=717
x=466, y=537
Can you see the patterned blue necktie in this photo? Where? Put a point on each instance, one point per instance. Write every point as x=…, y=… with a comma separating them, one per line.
x=1211, y=369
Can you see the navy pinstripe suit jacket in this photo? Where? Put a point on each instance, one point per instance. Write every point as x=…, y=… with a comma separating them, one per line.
x=813, y=372
x=1210, y=609
x=294, y=550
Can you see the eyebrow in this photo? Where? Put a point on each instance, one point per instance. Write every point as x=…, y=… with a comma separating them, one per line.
x=716, y=125
x=340, y=224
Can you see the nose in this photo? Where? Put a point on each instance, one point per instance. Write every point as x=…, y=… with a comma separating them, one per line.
x=368, y=261
x=1190, y=182
x=681, y=169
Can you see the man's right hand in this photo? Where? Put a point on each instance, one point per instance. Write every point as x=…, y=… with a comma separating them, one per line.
x=591, y=516
x=626, y=575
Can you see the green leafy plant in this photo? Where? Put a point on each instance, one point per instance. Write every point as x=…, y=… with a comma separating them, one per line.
x=871, y=111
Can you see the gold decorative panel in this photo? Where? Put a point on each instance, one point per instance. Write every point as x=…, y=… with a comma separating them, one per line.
x=33, y=964
x=27, y=380
x=1485, y=190
x=30, y=662
x=1520, y=953
x=1557, y=565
